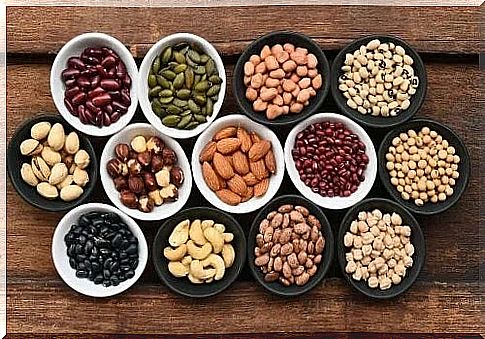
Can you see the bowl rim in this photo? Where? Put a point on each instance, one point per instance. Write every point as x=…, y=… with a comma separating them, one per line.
x=58, y=240
x=313, y=106
x=89, y=148
x=241, y=252
x=131, y=67
x=416, y=229
x=275, y=179
x=371, y=169
x=143, y=95
x=464, y=174
x=183, y=163
x=354, y=114
x=324, y=266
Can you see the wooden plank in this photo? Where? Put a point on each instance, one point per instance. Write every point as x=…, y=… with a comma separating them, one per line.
x=430, y=29
x=50, y=307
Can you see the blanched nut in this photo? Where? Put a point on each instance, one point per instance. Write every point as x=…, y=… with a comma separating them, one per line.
x=228, y=255
x=197, y=252
x=196, y=234
x=180, y=233
x=177, y=269
x=175, y=254
x=197, y=270
x=217, y=263
x=215, y=238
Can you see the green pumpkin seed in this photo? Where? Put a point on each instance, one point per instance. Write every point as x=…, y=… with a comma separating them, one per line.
x=209, y=107
x=179, y=57
x=204, y=58
x=194, y=108
x=166, y=55
x=213, y=90
x=200, y=118
x=194, y=56
x=180, y=103
x=168, y=74
x=199, y=70
x=184, y=121
x=192, y=125
x=210, y=67
x=152, y=81
x=189, y=78
x=165, y=100
x=163, y=82
x=190, y=62
x=154, y=91
x=179, y=80
x=156, y=65
x=215, y=79
x=200, y=100
x=165, y=93
x=186, y=112
x=203, y=111
x=171, y=120
x=196, y=79
x=172, y=64
x=204, y=77
x=180, y=68
x=172, y=109
x=184, y=94
x=156, y=107
x=202, y=86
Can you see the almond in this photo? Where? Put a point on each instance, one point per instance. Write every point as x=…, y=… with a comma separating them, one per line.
x=255, y=137
x=249, y=194
x=226, y=132
x=228, y=196
x=270, y=162
x=259, y=150
x=261, y=187
x=259, y=169
x=250, y=179
x=210, y=177
x=222, y=182
x=208, y=152
x=229, y=160
x=245, y=138
x=228, y=145
x=222, y=166
x=240, y=163
x=237, y=185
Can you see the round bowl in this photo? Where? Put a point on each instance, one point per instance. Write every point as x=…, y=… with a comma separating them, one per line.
x=271, y=39
x=154, y=51
x=370, y=172
x=15, y=160
x=265, y=133
x=125, y=136
x=464, y=166
x=61, y=260
x=75, y=47
x=182, y=285
x=276, y=287
x=417, y=239
x=378, y=121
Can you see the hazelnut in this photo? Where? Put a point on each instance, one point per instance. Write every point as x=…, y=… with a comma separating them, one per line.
x=150, y=182
x=139, y=144
x=134, y=167
x=129, y=199
x=144, y=158
x=135, y=184
x=145, y=204
x=169, y=156
x=155, y=145
x=163, y=177
x=176, y=176
x=121, y=183
x=132, y=155
x=155, y=195
x=114, y=167
x=156, y=163
x=169, y=193
x=122, y=152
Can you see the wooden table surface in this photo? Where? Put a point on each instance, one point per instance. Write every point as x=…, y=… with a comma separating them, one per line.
x=446, y=296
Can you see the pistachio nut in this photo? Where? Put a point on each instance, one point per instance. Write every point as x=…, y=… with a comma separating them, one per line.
x=56, y=137
x=71, y=144
x=58, y=173
x=28, y=175
x=30, y=147
x=47, y=190
x=40, y=130
x=67, y=181
x=50, y=156
x=80, y=177
x=71, y=192
x=81, y=159
x=40, y=168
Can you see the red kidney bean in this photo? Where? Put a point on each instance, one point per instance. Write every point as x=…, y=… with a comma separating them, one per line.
x=69, y=106
x=125, y=97
x=101, y=100
x=127, y=80
x=79, y=98
x=95, y=92
x=115, y=116
x=69, y=73
x=108, y=61
x=109, y=109
x=83, y=81
x=70, y=83
x=95, y=81
x=109, y=84
x=106, y=119
x=93, y=51
x=71, y=92
x=112, y=72
x=90, y=106
x=101, y=71
x=119, y=106
x=99, y=119
x=89, y=59
x=120, y=70
x=77, y=63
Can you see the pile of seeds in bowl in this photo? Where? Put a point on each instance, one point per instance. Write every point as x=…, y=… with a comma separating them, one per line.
x=184, y=85
x=422, y=166
x=281, y=79
x=380, y=249
x=378, y=79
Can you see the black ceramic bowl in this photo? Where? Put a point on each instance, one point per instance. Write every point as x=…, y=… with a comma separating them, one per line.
x=15, y=160
x=464, y=166
x=327, y=255
x=378, y=121
x=271, y=39
x=417, y=239
x=182, y=285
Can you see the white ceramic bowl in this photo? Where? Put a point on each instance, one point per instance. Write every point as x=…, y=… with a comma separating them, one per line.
x=143, y=83
x=334, y=203
x=61, y=259
x=74, y=48
x=125, y=136
x=265, y=133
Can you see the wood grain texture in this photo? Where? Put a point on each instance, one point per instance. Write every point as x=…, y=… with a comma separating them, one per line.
x=431, y=29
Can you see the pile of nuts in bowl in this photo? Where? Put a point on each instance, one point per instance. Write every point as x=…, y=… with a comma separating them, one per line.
x=289, y=245
x=281, y=79
x=97, y=86
x=237, y=164
x=184, y=85
x=200, y=250
x=58, y=165
x=145, y=173
x=380, y=249
x=378, y=79
x=330, y=159
x=422, y=166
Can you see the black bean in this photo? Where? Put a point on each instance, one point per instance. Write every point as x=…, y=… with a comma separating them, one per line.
x=125, y=268
x=106, y=274
x=114, y=266
x=92, y=230
x=81, y=274
x=123, y=255
x=81, y=266
x=133, y=240
x=134, y=264
x=84, y=221
x=110, y=235
x=125, y=261
x=82, y=240
x=85, y=233
x=105, y=251
x=101, y=243
x=95, y=266
x=69, y=238
x=114, y=280
x=124, y=244
x=132, y=249
x=95, y=251
x=106, y=283
x=72, y=263
x=116, y=241
x=115, y=226
x=80, y=257
x=88, y=247
x=97, y=222
x=107, y=263
x=104, y=230
x=77, y=230
x=130, y=274
x=92, y=215
x=87, y=264
x=71, y=250
x=79, y=249
x=98, y=279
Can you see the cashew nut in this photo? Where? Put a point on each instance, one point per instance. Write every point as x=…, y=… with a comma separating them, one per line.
x=195, y=280
x=220, y=227
x=228, y=237
x=217, y=262
x=206, y=224
x=186, y=260
x=178, y=269
x=175, y=254
x=180, y=234
x=196, y=233
x=215, y=238
x=228, y=255
x=197, y=252
x=198, y=271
